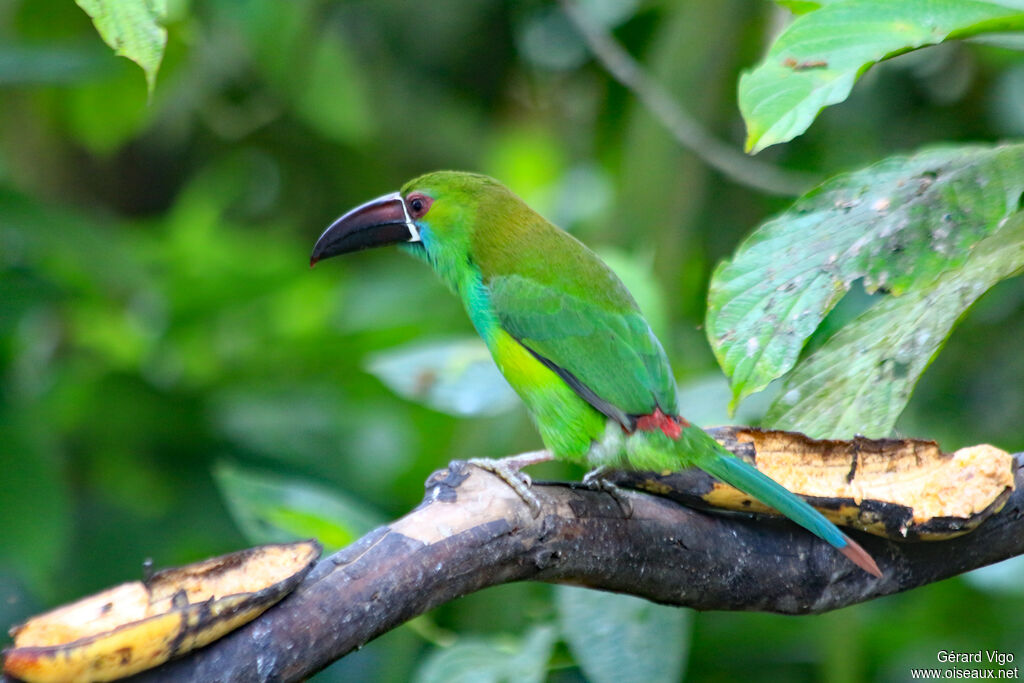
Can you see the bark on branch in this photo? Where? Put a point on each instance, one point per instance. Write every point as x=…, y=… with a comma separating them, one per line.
x=472, y=531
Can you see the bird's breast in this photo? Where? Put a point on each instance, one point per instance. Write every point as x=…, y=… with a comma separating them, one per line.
x=568, y=425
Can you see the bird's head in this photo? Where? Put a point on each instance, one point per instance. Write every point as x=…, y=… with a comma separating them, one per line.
x=434, y=214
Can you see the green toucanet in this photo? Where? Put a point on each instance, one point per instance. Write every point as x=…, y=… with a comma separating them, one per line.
x=563, y=330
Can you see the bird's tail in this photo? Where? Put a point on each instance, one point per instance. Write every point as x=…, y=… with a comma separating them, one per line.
x=714, y=459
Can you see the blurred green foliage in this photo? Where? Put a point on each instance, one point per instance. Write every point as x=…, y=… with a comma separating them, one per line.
x=158, y=322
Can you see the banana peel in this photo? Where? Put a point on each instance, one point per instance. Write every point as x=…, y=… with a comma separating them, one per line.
x=140, y=625
x=902, y=489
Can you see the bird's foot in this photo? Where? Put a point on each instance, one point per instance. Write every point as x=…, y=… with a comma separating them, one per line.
x=594, y=480
x=508, y=469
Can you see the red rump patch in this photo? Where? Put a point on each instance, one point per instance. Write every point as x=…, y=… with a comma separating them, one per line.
x=672, y=426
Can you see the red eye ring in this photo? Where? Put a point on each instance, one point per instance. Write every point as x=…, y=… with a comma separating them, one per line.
x=418, y=204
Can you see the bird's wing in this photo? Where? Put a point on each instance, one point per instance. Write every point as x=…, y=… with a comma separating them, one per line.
x=609, y=357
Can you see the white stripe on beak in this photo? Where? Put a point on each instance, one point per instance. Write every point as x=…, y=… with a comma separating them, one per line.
x=414, y=232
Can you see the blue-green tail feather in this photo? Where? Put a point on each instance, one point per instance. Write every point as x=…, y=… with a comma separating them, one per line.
x=749, y=479
x=714, y=459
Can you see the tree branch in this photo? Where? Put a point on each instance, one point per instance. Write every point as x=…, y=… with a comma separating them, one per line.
x=472, y=531
x=687, y=131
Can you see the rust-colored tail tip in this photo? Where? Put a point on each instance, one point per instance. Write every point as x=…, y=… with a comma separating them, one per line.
x=312, y=261
x=860, y=557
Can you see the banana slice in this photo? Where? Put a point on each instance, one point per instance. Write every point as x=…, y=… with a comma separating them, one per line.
x=140, y=625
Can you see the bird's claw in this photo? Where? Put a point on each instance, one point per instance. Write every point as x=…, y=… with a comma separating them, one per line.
x=594, y=478
x=520, y=482
x=595, y=481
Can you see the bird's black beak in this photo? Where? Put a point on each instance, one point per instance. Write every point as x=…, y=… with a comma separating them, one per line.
x=376, y=223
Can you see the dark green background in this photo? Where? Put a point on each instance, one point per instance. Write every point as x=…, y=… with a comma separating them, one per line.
x=157, y=315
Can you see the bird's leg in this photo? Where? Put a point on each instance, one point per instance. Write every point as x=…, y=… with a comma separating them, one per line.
x=594, y=480
x=509, y=471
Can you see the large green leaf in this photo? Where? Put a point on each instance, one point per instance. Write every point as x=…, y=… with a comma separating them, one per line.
x=132, y=28
x=456, y=377
x=269, y=508
x=817, y=59
x=898, y=225
x=491, y=660
x=620, y=638
x=861, y=379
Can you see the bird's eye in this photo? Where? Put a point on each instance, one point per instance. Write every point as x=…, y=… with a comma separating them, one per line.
x=418, y=204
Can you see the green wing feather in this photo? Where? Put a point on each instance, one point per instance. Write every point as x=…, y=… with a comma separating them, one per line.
x=610, y=351
x=558, y=299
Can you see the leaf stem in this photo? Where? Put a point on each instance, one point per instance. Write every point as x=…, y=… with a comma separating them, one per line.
x=687, y=131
